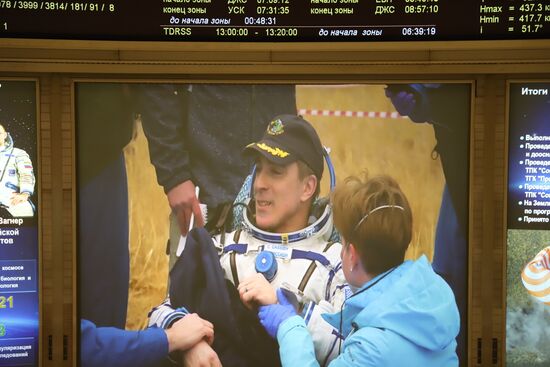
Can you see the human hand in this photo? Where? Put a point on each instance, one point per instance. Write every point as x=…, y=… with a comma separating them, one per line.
x=184, y=203
x=19, y=197
x=412, y=100
x=201, y=355
x=403, y=100
x=272, y=316
x=188, y=331
x=256, y=290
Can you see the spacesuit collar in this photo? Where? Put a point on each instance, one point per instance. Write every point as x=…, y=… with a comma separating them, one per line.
x=291, y=237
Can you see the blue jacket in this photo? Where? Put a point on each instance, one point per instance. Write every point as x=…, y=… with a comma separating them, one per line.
x=406, y=318
x=109, y=346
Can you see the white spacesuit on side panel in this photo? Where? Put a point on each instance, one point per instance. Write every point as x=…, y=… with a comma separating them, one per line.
x=307, y=262
x=16, y=176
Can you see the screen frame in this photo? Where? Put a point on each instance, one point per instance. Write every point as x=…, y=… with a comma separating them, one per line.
x=326, y=79
x=267, y=62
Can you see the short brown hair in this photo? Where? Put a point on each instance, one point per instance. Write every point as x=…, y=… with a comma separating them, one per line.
x=382, y=240
x=303, y=171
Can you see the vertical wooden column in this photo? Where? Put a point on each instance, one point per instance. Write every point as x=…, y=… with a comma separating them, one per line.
x=69, y=258
x=487, y=220
x=48, y=253
x=52, y=219
x=476, y=227
x=70, y=326
x=498, y=252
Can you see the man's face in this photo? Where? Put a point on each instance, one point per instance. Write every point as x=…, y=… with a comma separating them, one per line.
x=280, y=197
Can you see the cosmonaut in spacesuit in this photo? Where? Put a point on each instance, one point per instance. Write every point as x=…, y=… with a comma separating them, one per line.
x=282, y=243
x=16, y=178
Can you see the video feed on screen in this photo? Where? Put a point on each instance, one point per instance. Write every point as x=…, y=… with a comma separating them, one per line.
x=528, y=236
x=227, y=200
x=19, y=251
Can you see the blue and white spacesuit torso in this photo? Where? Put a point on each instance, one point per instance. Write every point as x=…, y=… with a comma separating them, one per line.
x=308, y=264
x=305, y=262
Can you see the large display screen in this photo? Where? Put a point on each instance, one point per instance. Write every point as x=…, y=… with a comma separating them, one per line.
x=19, y=253
x=417, y=133
x=276, y=20
x=528, y=271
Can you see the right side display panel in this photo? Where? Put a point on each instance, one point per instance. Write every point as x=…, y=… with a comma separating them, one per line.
x=528, y=237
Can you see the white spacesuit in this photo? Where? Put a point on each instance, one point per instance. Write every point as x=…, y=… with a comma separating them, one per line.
x=304, y=262
x=16, y=177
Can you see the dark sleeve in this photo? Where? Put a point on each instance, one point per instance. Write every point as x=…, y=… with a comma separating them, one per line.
x=163, y=116
x=108, y=346
x=449, y=107
x=104, y=119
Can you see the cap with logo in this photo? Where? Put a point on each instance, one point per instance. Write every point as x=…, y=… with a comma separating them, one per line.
x=289, y=138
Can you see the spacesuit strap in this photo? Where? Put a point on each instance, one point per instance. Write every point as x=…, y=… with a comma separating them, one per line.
x=218, y=217
x=311, y=269
x=310, y=255
x=331, y=276
x=233, y=265
x=237, y=235
x=239, y=248
x=234, y=250
x=6, y=164
x=233, y=259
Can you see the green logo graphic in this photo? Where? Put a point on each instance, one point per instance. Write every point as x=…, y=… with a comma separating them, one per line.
x=2, y=330
x=275, y=127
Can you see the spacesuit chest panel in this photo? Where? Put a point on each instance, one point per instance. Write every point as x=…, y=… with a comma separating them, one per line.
x=306, y=277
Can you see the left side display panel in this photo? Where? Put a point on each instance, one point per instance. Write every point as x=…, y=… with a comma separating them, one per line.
x=19, y=248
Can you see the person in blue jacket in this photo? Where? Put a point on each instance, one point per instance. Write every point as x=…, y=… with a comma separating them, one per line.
x=110, y=346
x=432, y=103
x=400, y=313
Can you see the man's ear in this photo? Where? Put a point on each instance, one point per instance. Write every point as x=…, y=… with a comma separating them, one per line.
x=310, y=184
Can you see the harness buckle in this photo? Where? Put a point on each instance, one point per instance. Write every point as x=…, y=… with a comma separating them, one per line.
x=257, y=250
